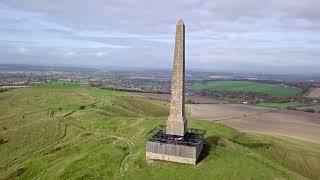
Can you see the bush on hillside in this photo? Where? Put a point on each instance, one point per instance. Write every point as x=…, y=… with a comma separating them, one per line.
x=291, y=108
x=2, y=141
x=309, y=110
x=4, y=90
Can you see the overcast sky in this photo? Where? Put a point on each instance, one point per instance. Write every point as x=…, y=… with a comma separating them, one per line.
x=224, y=35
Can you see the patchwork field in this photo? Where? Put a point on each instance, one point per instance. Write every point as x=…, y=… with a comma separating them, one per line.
x=281, y=105
x=292, y=106
x=72, y=132
x=167, y=97
x=246, y=86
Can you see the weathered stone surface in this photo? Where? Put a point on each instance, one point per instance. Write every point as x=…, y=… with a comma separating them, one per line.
x=177, y=123
x=173, y=152
x=165, y=157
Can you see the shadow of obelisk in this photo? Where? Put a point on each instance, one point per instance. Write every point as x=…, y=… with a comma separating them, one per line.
x=175, y=142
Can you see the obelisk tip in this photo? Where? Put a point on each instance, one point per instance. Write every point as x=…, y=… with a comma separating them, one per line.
x=180, y=22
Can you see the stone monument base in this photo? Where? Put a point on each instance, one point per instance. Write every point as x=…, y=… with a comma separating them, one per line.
x=185, y=149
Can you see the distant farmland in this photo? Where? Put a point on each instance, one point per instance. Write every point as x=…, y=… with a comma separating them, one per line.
x=247, y=86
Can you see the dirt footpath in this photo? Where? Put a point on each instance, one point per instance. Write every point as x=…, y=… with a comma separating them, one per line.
x=296, y=124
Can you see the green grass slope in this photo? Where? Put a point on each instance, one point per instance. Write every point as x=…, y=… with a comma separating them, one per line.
x=72, y=132
x=246, y=86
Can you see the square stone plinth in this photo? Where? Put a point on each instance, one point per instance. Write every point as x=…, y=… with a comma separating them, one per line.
x=181, y=149
x=173, y=152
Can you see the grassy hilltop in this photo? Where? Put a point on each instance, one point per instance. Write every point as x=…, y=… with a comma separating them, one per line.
x=72, y=132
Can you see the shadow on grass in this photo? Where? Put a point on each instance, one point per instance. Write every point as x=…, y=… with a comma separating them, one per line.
x=209, y=143
x=243, y=140
x=18, y=172
x=254, y=145
x=3, y=141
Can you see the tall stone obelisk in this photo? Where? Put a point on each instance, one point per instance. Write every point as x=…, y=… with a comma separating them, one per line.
x=176, y=143
x=177, y=122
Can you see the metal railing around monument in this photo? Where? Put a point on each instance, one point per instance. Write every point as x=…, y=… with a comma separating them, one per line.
x=192, y=137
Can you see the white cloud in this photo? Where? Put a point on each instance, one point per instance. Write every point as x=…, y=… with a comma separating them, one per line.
x=225, y=33
x=23, y=50
x=70, y=53
x=100, y=54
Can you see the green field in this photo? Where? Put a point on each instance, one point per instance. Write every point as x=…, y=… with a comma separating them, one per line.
x=73, y=132
x=246, y=86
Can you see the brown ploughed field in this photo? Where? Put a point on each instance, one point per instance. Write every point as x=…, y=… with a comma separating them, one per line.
x=295, y=124
x=315, y=93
